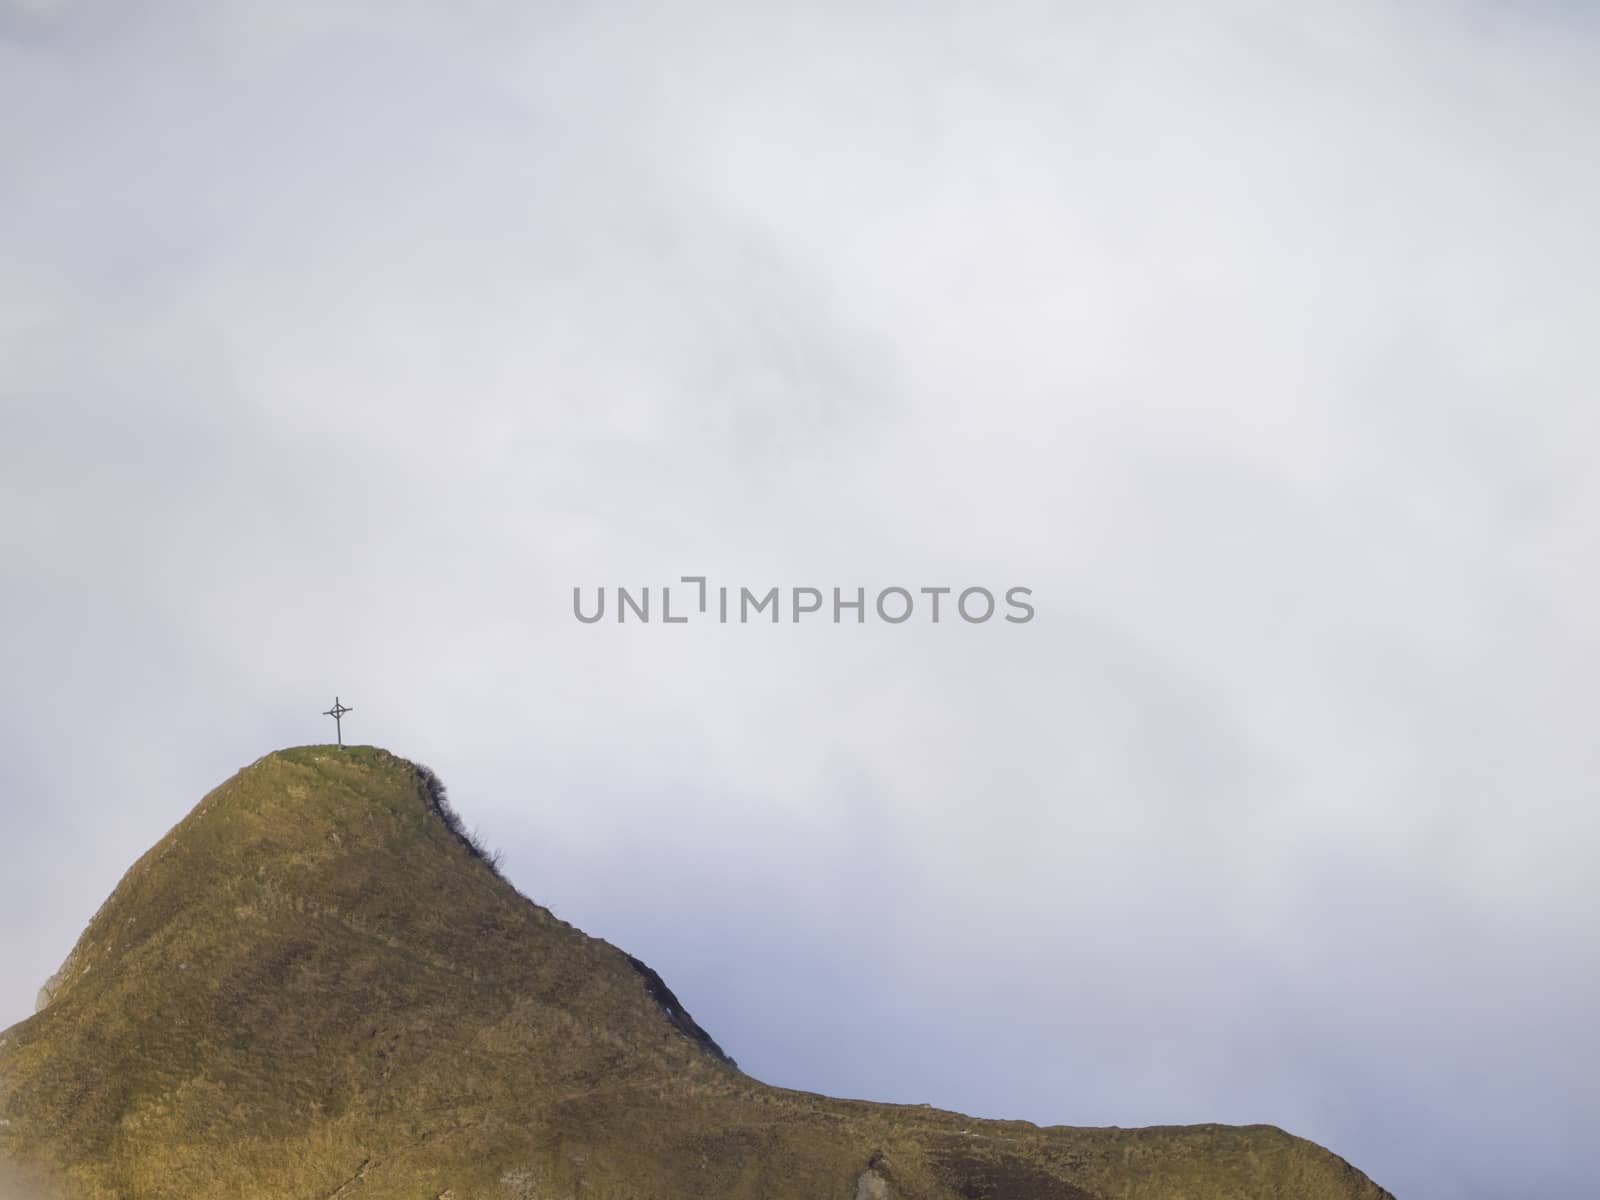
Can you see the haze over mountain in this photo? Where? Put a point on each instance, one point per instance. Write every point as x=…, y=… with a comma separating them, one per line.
x=316, y=985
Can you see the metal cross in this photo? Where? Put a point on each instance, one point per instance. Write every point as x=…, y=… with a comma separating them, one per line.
x=337, y=712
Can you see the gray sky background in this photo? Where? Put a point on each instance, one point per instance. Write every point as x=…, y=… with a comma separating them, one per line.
x=340, y=341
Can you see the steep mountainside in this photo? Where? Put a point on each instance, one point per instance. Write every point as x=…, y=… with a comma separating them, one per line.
x=314, y=987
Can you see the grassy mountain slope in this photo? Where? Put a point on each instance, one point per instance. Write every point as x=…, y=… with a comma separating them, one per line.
x=314, y=987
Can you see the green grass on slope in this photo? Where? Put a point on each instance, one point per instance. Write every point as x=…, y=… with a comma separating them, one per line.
x=315, y=987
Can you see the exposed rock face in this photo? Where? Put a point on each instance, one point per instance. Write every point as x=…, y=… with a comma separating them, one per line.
x=53, y=985
x=872, y=1186
x=47, y=993
x=314, y=987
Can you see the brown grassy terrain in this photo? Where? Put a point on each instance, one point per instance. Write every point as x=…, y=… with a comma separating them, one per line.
x=314, y=987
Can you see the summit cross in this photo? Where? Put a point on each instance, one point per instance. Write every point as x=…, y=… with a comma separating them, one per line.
x=337, y=712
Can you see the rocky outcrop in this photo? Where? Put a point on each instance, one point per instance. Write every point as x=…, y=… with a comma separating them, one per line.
x=52, y=986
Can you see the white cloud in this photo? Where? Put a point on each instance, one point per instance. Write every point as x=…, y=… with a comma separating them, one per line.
x=341, y=346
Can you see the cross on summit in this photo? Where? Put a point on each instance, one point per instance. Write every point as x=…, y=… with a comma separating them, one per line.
x=337, y=712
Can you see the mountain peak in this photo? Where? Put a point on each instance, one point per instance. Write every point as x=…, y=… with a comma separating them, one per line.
x=317, y=984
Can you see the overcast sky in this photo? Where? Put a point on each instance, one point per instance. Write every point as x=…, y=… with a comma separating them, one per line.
x=340, y=342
